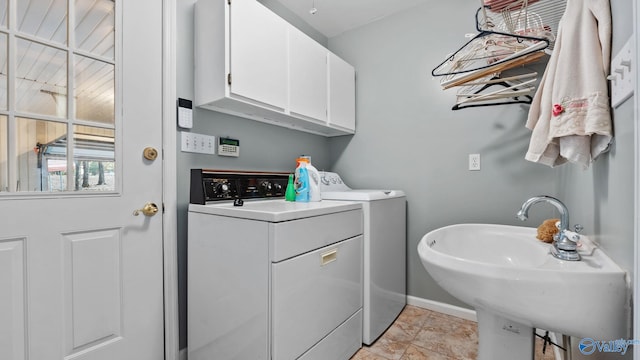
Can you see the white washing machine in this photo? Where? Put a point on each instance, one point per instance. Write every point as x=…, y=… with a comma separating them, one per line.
x=385, y=239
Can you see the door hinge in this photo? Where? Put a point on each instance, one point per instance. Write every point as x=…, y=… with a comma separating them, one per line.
x=229, y=78
x=163, y=208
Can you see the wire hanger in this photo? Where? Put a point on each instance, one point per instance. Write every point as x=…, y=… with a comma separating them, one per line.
x=514, y=89
x=490, y=49
x=510, y=94
x=508, y=90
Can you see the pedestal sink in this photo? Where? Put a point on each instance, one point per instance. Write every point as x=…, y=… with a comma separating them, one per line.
x=515, y=285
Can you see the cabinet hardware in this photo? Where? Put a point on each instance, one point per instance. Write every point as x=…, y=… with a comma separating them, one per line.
x=328, y=257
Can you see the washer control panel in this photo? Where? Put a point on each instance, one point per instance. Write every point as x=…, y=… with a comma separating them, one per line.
x=330, y=181
x=218, y=185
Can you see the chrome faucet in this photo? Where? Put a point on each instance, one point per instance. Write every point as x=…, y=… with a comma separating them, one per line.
x=564, y=246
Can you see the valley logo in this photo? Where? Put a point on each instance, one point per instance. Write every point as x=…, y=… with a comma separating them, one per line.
x=588, y=346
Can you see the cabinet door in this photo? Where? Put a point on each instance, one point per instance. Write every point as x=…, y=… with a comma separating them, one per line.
x=342, y=93
x=307, y=76
x=258, y=54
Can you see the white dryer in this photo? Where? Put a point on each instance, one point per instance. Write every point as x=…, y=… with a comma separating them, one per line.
x=385, y=239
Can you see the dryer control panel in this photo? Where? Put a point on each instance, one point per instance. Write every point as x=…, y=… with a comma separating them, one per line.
x=219, y=185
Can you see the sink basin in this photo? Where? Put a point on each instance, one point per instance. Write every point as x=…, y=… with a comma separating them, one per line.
x=515, y=285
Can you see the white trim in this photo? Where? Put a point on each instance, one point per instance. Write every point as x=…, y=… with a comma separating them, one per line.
x=440, y=307
x=636, y=186
x=169, y=182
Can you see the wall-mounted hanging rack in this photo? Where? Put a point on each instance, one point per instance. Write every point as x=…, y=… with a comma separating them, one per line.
x=511, y=34
x=536, y=17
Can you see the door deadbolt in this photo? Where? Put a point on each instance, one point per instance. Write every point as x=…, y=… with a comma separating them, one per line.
x=150, y=153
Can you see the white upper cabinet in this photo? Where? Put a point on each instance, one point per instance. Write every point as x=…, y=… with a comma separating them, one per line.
x=307, y=76
x=252, y=63
x=258, y=53
x=342, y=93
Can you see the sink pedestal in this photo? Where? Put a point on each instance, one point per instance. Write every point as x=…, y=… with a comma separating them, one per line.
x=500, y=338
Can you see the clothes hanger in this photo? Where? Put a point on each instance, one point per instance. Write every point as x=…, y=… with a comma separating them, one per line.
x=512, y=91
x=508, y=90
x=460, y=61
x=495, y=70
x=526, y=99
x=501, y=79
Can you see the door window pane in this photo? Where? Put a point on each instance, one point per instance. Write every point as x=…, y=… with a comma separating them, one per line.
x=95, y=27
x=62, y=138
x=41, y=79
x=42, y=155
x=3, y=71
x=4, y=170
x=95, y=90
x=46, y=19
x=94, y=158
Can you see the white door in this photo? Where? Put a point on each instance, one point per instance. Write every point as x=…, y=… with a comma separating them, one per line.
x=80, y=275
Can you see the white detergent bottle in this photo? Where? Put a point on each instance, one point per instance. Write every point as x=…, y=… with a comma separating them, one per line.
x=314, y=180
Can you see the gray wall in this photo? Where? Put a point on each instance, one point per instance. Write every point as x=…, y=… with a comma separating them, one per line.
x=263, y=146
x=408, y=138
x=602, y=197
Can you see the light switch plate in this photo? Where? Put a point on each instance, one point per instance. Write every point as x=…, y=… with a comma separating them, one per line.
x=198, y=143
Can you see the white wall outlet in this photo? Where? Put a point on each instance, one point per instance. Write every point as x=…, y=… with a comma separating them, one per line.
x=198, y=143
x=474, y=162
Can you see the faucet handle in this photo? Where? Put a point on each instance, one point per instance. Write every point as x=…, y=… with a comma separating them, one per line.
x=578, y=228
x=573, y=236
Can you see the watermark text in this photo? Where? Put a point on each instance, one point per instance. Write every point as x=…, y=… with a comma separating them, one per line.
x=588, y=346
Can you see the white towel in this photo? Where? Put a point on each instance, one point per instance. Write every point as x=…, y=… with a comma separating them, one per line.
x=570, y=114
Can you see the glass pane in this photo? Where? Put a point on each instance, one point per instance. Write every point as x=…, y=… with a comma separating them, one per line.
x=95, y=90
x=46, y=19
x=3, y=71
x=41, y=79
x=42, y=155
x=3, y=13
x=95, y=27
x=4, y=171
x=94, y=158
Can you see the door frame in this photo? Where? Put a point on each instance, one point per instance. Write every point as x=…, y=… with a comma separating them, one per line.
x=636, y=210
x=169, y=182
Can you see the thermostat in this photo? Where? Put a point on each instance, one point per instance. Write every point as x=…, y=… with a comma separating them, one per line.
x=229, y=147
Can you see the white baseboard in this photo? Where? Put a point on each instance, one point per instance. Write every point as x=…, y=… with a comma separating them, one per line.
x=440, y=307
x=183, y=354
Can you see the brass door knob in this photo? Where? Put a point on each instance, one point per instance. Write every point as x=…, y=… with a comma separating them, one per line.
x=150, y=153
x=149, y=209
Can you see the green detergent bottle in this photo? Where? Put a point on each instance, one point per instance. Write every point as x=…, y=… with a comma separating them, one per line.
x=290, y=193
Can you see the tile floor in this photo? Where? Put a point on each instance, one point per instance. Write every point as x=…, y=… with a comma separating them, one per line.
x=420, y=334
